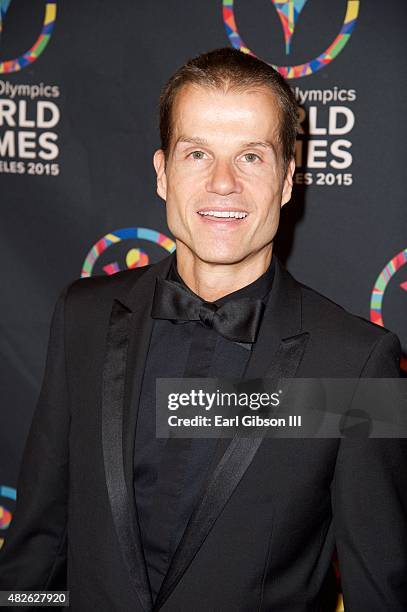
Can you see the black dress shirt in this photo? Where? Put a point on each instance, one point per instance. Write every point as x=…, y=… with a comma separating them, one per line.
x=169, y=473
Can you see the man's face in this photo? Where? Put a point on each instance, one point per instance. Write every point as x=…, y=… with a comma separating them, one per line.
x=224, y=157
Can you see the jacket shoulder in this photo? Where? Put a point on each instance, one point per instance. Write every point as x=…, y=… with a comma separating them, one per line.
x=347, y=344
x=105, y=288
x=322, y=313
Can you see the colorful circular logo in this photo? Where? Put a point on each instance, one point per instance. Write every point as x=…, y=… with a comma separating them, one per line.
x=135, y=257
x=379, y=289
x=6, y=515
x=27, y=58
x=288, y=12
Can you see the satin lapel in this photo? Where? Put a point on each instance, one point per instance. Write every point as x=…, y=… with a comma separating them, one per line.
x=127, y=344
x=277, y=355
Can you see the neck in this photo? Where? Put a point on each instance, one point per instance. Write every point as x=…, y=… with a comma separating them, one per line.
x=211, y=281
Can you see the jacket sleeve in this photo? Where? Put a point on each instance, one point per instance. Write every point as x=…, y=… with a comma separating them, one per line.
x=369, y=497
x=33, y=556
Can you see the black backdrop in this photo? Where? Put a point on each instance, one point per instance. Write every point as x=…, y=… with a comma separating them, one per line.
x=78, y=128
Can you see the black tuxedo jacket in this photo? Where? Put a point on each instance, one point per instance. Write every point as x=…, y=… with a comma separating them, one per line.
x=262, y=536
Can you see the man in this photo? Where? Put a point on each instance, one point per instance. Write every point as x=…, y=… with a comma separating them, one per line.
x=143, y=523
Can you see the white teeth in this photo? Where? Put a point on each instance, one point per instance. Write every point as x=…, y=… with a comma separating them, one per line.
x=224, y=213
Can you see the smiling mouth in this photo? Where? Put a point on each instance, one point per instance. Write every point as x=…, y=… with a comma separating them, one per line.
x=223, y=214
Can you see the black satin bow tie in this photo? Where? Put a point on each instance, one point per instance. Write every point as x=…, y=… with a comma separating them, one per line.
x=237, y=320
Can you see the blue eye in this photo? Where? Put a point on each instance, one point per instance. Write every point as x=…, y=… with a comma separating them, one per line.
x=197, y=154
x=251, y=157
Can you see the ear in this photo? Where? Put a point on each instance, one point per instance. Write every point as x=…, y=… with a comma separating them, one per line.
x=288, y=183
x=159, y=165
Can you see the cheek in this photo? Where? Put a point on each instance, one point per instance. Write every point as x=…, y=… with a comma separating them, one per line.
x=182, y=191
x=266, y=196
x=181, y=196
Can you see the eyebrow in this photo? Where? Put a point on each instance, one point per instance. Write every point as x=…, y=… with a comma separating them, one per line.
x=202, y=141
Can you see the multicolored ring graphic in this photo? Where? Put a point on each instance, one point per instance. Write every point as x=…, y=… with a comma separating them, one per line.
x=38, y=47
x=301, y=70
x=380, y=286
x=5, y=515
x=134, y=258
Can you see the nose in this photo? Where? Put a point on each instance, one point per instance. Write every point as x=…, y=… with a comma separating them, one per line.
x=223, y=179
